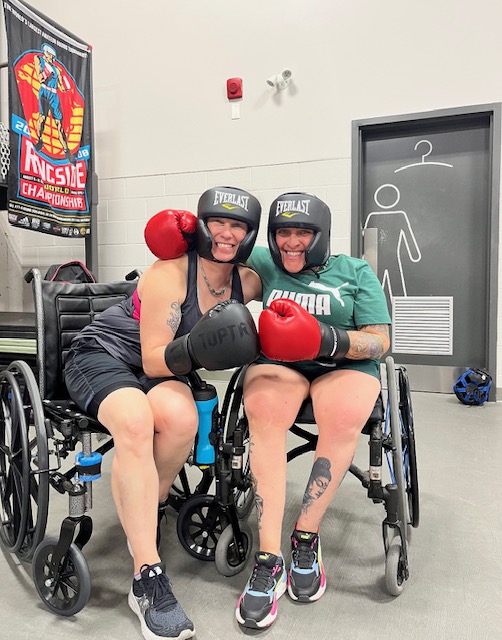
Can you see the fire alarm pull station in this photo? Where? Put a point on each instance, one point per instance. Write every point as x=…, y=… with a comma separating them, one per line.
x=234, y=88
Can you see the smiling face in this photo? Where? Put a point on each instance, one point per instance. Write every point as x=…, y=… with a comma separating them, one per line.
x=292, y=243
x=227, y=235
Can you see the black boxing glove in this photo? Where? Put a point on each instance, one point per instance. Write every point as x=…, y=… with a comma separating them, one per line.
x=223, y=338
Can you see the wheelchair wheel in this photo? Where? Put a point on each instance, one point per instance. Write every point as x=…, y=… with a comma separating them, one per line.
x=228, y=560
x=68, y=593
x=24, y=473
x=409, y=449
x=199, y=525
x=398, y=458
x=14, y=464
x=395, y=568
x=191, y=481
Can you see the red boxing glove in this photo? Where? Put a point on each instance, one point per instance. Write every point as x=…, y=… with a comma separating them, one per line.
x=288, y=333
x=170, y=233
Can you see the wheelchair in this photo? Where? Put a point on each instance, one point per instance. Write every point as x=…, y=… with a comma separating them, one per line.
x=40, y=427
x=392, y=457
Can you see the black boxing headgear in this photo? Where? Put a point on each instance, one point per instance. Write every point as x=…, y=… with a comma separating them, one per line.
x=227, y=202
x=303, y=211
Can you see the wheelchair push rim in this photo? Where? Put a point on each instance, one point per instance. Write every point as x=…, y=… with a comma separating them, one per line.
x=402, y=459
x=409, y=448
x=23, y=461
x=402, y=467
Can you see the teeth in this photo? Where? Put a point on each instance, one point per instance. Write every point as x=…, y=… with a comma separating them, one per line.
x=223, y=245
x=294, y=253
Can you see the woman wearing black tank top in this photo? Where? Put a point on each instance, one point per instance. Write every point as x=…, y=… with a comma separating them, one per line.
x=150, y=413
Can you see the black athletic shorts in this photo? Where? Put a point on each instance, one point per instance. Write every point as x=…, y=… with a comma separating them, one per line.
x=91, y=374
x=312, y=370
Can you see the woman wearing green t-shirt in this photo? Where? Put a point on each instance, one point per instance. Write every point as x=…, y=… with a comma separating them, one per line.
x=324, y=328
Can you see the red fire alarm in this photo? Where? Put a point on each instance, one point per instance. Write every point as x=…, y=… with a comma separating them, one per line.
x=234, y=88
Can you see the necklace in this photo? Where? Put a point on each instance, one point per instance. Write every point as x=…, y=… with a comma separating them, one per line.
x=212, y=291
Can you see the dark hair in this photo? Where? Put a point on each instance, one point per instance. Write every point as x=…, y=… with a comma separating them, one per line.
x=321, y=467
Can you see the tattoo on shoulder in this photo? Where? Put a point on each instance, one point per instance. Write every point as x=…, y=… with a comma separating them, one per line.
x=174, y=318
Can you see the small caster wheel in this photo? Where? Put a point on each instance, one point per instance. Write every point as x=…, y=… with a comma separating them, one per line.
x=395, y=568
x=199, y=526
x=229, y=562
x=67, y=594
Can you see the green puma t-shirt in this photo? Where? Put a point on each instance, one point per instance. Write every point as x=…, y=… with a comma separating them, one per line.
x=344, y=293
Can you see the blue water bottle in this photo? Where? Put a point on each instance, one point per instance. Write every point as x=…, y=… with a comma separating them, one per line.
x=206, y=400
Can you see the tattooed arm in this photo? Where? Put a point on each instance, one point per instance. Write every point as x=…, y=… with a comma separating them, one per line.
x=162, y=290
x=369, y=341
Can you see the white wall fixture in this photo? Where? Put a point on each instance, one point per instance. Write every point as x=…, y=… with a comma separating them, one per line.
x=281, y=80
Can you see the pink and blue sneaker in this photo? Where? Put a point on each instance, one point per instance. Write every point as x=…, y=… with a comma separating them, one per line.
x=306, y=577
x=257, y=605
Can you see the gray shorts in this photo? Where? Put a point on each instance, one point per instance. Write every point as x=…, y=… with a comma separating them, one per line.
x=91, y=374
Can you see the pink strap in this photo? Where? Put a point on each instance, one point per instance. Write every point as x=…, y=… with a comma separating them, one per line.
x=137, y=305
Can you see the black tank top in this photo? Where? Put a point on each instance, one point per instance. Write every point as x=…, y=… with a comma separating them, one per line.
x=117, y=328
x=190, y=312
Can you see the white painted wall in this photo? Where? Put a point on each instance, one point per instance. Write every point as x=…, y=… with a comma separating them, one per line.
x=163, y=126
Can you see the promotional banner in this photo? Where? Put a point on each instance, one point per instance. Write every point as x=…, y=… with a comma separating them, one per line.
x=51, y=155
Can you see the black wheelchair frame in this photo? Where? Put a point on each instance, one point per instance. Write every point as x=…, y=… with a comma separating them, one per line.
x=391, y=438
x=40, y=427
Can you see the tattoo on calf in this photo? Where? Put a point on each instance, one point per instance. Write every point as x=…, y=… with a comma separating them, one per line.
x=320, y=477
x=174, y=319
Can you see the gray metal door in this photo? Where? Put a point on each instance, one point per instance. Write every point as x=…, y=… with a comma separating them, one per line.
x=425, y=215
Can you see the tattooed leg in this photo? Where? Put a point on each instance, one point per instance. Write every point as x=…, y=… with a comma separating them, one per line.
x=320, y=477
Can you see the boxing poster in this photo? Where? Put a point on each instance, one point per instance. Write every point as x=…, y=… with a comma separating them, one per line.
x=51, y=154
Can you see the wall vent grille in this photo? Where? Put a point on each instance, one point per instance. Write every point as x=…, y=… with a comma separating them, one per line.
x=422, y=325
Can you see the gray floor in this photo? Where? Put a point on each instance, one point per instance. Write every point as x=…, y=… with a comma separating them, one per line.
x=455, y=587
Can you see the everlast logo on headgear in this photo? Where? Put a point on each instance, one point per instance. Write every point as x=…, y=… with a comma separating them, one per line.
x=293, y=206
x=238, y=200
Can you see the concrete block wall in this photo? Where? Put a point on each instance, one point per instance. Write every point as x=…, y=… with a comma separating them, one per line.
x=127, y=203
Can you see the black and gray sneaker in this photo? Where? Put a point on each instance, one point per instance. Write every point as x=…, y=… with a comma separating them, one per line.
x=152, y=600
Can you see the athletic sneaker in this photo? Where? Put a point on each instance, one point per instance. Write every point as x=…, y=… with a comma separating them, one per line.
x=306, y=578
x=257, y=606
x=153, y=601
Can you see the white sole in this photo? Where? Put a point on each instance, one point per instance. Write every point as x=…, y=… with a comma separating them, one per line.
x=268, y=620
x=147, y=633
